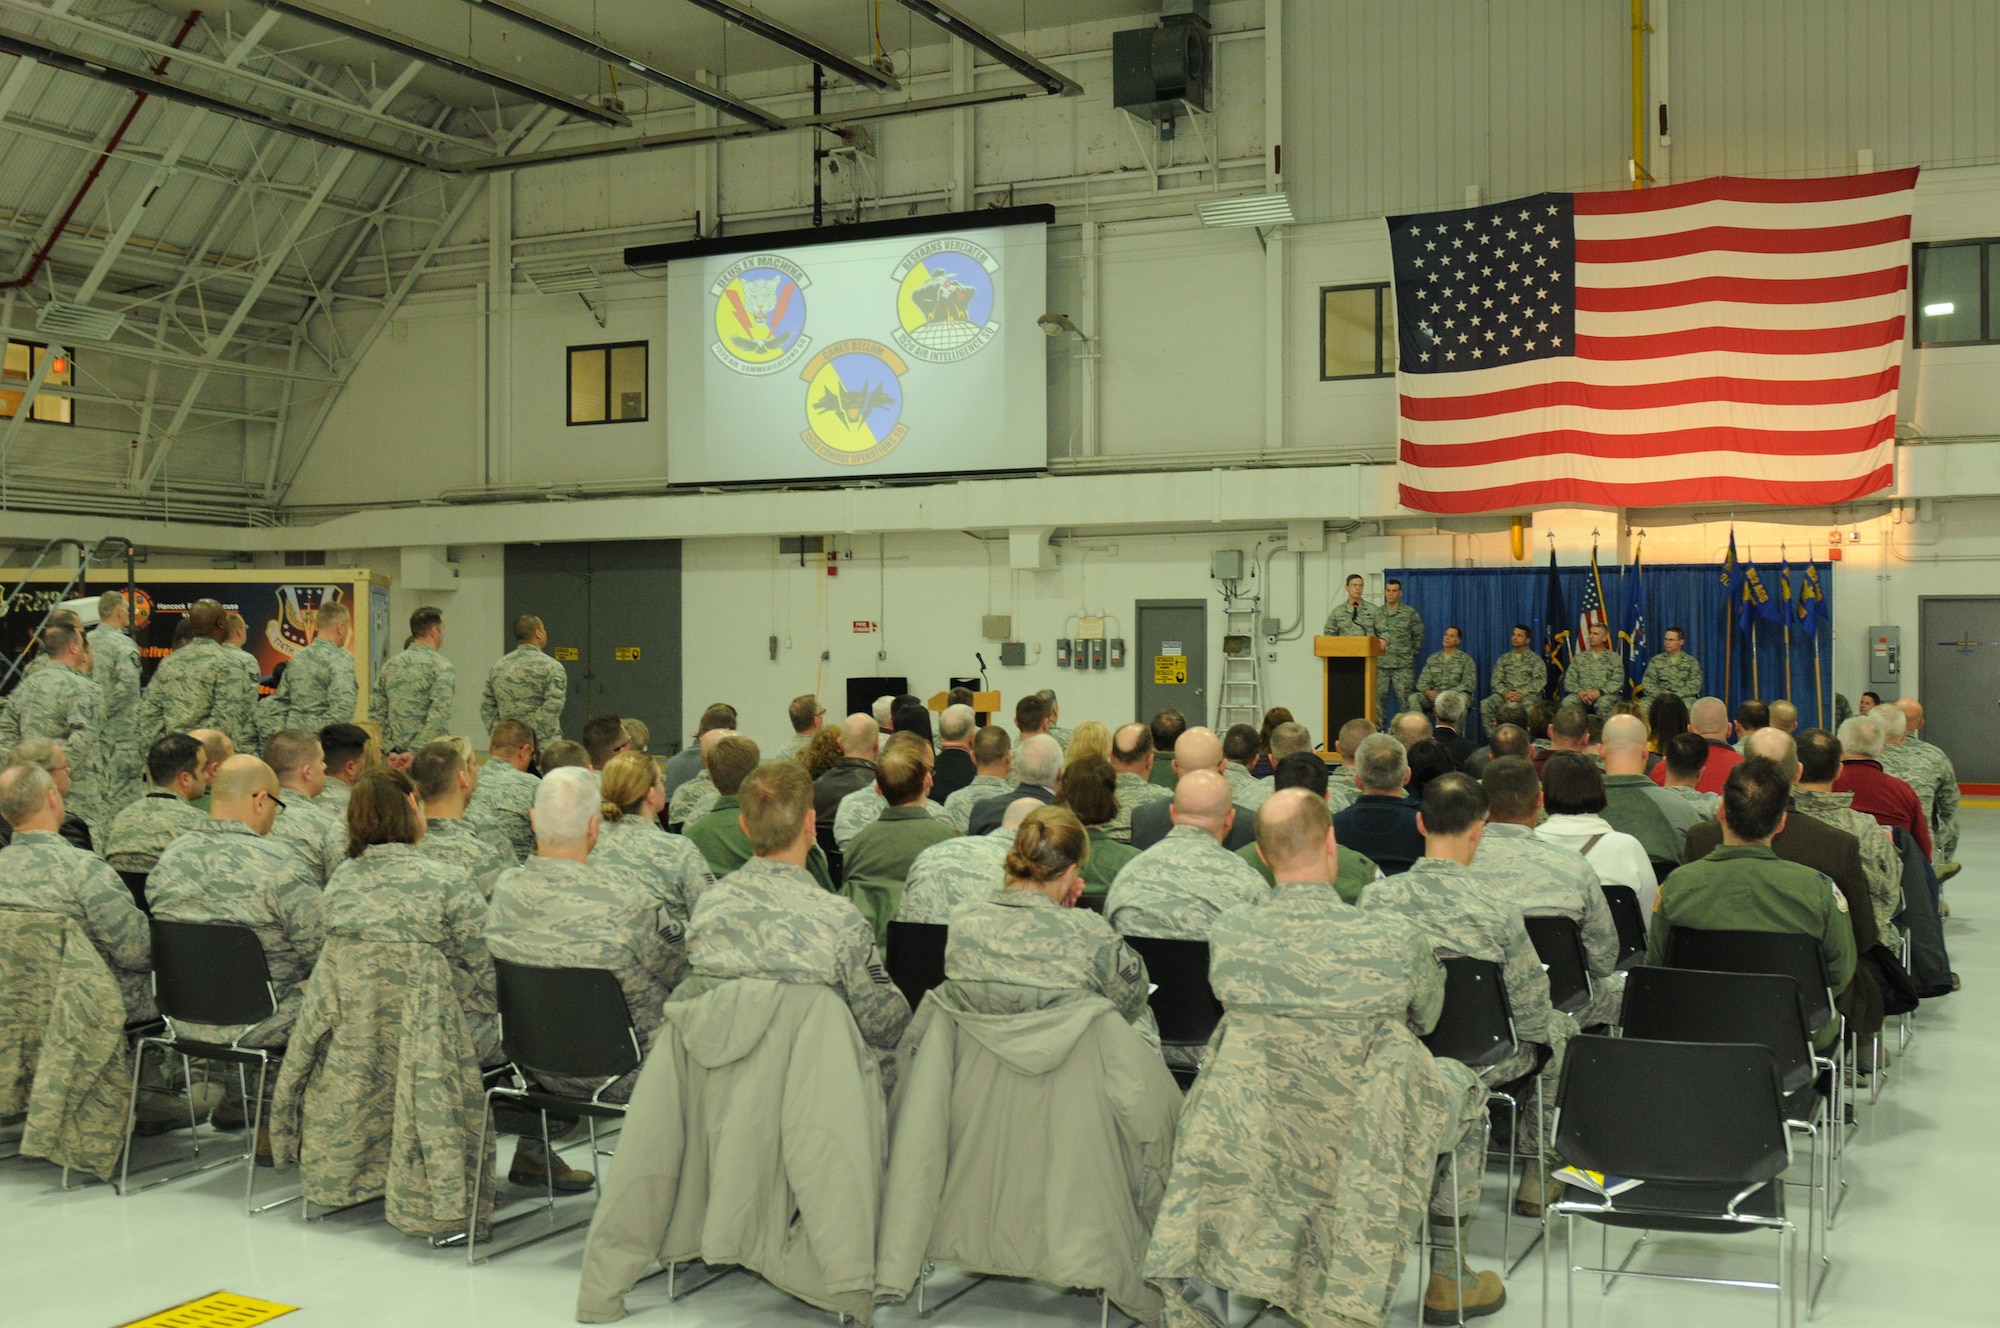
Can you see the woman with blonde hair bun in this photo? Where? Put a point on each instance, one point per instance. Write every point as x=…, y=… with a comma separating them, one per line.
x=1028, y=946
x=630, y=839
x=1091, y=738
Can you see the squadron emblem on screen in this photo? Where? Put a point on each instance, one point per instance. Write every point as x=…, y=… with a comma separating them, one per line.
x=760, y=314
x=854, y=402
x=944, y=301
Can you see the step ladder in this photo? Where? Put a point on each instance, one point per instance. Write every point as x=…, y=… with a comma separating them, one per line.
x=1240, y=698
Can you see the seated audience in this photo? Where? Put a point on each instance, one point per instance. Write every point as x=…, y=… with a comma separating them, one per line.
x=1573, y=796
x=878, y=858
x=1633, y=803
x=1039, y=767
x=318, y=837
x=956, y=766
x=446, y=779
x=348, y=756
x=1198, y=749
x=1354, y=872
x=669, y=869
x=863, y=807
x=506, y=791
x=1131, y=760
x=992, y=762
x=721, y=836
x=1685, y=761
x=1708, y=719
x=686, y=763
x=692, y=800
x=1382, y=821
x=53, y=758
x=1179, y=886
x=1090, y=791
x=1341, y=790
x=950, y=875
x=136, y=836
x=1166, y=728
x=604, y=737
x=1877, y=792
x=1240, y=747
x=860, y=739
x=806, y=715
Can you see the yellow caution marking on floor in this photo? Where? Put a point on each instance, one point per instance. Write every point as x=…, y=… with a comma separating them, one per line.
x=219, y=1309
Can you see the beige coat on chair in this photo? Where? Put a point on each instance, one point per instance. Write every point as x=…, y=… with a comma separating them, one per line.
x=754, y=1137
x=63, y=1056
x=1028, y=1145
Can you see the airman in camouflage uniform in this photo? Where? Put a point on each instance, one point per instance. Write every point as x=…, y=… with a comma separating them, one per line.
x=121, y=754
x=1245, y=789
x=1449, y=670
x=395, y=894
x=139, y=834
x=412, y=697
x=318, y=837
x=198, y=687
x=1133, y=792
x=1672, y=670
x=1019, y=950
x=1928, y=771
x=556, y=913
x=1177, y=888
x=692, y=801
x=1353, y=616
x=480, y=851
x=1880, y=862
x=1599, y=669
x=1299, y=1165
x=1547, y=880
x=769, y=919
x=1520, y=671
x=1402, y=630
x=950, y=876
x=319, y=688
x=502, y=802
x=224, y=871
x=60, y=704
x=864, y=807
x=42, y=873
x=669, y=869
x=958, y=807
x=526, y=685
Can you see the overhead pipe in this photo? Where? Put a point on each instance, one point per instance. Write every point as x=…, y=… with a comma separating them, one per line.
x=139, y=99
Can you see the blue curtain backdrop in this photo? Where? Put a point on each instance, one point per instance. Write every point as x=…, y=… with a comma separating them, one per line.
x=1486, y=602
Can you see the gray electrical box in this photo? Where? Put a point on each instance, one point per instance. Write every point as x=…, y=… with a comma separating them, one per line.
x=1885, y=661
x=997, y=626
x=1013, y=652
x=1228, y=565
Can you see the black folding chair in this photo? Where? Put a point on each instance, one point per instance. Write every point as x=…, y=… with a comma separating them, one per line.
x=1690, y=1005
x=915, y=957
x=1393, y=866
x=836, y=860
x=1630, y=920
x=1184, y=1006
x=1559, y=943
x=569, y=1023
x=136, y=883
x=208, y=973
x=1663, y=868
x=1476, y=1028
x=1702, y=1126
x=1095, y=903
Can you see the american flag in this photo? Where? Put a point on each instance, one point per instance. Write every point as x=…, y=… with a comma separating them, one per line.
x=1728, y=339
x=1590, y=613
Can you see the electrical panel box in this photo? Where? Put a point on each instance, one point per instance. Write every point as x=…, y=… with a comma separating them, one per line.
x=1096, y=654
x=1117, y=652
x=1227, y=565
x=1885, y=658
x=1273, y=626
x=1013, y=652
x=997, y=626
x=1062, y=652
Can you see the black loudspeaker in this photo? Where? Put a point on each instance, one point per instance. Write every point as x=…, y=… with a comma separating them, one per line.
x=861, y=692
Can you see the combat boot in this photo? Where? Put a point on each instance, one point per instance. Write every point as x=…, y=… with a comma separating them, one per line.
x=1483, y=1295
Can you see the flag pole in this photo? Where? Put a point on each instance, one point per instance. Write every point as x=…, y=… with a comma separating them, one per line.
x=1788, y=623
x=1728, y=613
x=1756, y=679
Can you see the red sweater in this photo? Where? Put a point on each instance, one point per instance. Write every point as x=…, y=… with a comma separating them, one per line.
x=1722, y=758
x=1879, y=794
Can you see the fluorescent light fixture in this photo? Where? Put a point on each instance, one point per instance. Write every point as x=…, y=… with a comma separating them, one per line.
x=571, y=278
x=77, y=322
x=1051, y=81
x=1940, y=309
x=1251, y=210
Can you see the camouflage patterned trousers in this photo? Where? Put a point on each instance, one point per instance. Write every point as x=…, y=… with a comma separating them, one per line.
x=1463, y=1142
x=1404, y=680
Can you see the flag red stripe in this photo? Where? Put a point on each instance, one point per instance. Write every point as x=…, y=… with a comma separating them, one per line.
x=1744, y=239
x=1627, y=446
x=1675, y=493
x=1741, y=290
x=1740, y=189
x=1742, y=340
x=1652, y=396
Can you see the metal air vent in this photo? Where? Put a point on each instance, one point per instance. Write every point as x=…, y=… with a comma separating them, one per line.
x=77, y=322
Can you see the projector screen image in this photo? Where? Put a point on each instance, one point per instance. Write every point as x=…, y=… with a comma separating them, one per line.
x=911, y=353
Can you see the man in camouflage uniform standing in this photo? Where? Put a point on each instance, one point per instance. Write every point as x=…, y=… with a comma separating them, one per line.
x=1449, y=670
x=770, y=919
x=1597, y=677
x=319, y=687
x=1446, y=900
x=527, y=685
x=1402, y=632
x=1518, y=678
x=59, y=703
x=506, y=793
x=121, y=755
x=413, y=691
x=139, y=834
x=1925, y=768
x=1295, y=1181
x=227, y=870
x=1672, y=670
x=1354, y=616
x=199, y=686
x=318, y=836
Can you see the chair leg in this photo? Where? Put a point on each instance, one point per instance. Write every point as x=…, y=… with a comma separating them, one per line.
x=479, y=1174
x=131, y=1119
x=548, y=1161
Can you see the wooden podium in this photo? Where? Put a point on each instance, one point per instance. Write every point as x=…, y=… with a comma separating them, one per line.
x=983, y=703
x=1349, y=689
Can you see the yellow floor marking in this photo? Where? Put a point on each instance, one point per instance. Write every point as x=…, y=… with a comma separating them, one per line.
x=220, y=1309
x=1979, y=802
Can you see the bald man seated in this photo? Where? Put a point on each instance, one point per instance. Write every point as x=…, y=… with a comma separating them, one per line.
x=1634, y=804
x=1709, y=718
x=1181, y=885
x=1197, y=749
x=860, y=738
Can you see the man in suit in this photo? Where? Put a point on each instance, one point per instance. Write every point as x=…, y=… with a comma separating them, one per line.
x=859, y=737
x=1832, y=852
x=1039, y=764
x=1196, y=749
x=1382, y=822
x=955, y=766
x=1450, y=708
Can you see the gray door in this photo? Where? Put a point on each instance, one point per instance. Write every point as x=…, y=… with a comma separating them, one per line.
x=1959, y=669
x=613, y=612
x=1170, y=658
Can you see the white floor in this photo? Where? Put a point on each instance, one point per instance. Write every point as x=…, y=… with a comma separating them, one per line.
x=1912, y=1245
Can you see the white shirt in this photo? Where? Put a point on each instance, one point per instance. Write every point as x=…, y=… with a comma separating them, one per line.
x=1617, y=857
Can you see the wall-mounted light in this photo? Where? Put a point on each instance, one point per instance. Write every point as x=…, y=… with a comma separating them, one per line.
x=1940, y=309
x=1056, y=326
